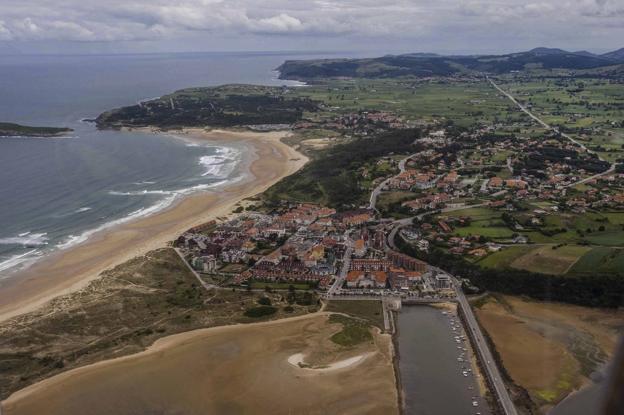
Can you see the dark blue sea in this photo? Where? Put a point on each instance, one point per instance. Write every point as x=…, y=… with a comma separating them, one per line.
x=56, y=192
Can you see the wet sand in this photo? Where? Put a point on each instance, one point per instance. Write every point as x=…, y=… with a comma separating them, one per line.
x=224, y=370
x=550, y=349
x=72, y=269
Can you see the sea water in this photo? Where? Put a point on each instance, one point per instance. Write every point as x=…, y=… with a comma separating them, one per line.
x=56, y=192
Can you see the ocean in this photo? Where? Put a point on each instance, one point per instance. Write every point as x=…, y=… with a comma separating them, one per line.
x=56, y=192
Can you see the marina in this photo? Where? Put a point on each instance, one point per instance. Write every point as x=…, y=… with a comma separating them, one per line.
x=437, y=367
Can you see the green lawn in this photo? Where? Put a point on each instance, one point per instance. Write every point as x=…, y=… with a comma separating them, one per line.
x=608, y=238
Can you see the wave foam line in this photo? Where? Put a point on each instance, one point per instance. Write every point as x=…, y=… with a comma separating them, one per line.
x=26, y=239
x=16, y=260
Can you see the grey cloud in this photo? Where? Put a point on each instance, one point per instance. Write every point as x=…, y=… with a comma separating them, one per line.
x=127, y=20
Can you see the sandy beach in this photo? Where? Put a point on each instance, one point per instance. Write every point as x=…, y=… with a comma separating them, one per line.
x=268, y=161
x=223, y=370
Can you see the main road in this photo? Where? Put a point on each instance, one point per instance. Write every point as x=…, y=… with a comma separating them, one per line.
x=556, y=130
x=483, y=350
x=487, y=359
x=346, y=263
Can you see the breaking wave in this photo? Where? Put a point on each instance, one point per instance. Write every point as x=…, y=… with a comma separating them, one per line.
x=26, y=239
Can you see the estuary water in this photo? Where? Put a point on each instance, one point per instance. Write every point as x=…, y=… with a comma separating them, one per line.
x=432, y=364
x=56, y=192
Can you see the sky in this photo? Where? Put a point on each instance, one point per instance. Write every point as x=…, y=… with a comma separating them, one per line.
x=351, y=26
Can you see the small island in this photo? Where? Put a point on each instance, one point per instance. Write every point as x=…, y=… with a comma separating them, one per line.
x=15, y=130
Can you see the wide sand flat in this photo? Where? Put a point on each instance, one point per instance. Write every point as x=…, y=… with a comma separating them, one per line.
x=225, y=370
x=550, y=349
x=71, y=269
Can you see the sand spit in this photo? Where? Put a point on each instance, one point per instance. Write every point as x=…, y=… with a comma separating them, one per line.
x=298, y=360
x=223, y=370
x=268, y=161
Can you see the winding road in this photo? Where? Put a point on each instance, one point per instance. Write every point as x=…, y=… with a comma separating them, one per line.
x=377, y=191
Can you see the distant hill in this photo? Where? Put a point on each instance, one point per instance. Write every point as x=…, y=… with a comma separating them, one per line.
x=617, y=55
x=423, y=65
x=585, y=53
x=548, y=51
x=17, y=130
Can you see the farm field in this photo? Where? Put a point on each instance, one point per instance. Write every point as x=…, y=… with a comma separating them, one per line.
x=555, y=246
x=591, y=110
x=485, y=222
x=465, y=103
x=503, y=258
x=550, y=259
x=601, y=260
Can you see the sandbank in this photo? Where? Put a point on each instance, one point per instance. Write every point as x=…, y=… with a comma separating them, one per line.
x=231, y=369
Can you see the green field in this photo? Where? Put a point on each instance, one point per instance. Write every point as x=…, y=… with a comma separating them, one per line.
x=544, y=259
x=578, y=106
x=503, y=259
x=485, y=222
x=465, y=103
x=353, y=331
x=370, y=310
x=549, y=259
x=601, y=260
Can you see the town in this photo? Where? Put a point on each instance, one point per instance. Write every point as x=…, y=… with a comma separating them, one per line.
x=306, y=246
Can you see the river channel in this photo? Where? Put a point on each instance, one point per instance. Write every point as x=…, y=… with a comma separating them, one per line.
x=437, y=375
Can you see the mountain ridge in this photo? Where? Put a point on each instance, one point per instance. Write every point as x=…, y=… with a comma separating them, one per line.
x=428, y=64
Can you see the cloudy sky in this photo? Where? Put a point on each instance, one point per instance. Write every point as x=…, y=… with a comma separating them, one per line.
x=449, y=26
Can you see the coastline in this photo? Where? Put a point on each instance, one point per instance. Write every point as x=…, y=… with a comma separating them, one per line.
x=159, y=346
x=267, y=161
x=230, y=355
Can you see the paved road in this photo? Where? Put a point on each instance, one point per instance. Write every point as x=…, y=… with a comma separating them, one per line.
x=401, y=223
x=346, y=263
x=195, y=273
x=487, y=359
x=483, y=350
x=377, y=191
x=555, y=129
x=595, y=176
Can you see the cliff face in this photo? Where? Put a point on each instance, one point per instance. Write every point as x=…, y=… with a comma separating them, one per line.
x=16, y=130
